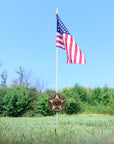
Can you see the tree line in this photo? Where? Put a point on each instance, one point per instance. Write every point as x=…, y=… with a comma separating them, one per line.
x=22, y=98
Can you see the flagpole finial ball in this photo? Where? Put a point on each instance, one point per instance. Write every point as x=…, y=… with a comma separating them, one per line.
x=57, y=11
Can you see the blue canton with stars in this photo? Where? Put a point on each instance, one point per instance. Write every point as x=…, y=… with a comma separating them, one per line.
x=61, y=27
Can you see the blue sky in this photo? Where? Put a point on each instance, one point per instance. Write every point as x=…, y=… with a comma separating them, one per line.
x=28, y=38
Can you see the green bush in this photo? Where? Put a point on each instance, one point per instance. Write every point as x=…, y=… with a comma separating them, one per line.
x=17, y=101
x=3, y=92
x=110, y=108
x=27, y=101
x=73, y=106
x=43, y=106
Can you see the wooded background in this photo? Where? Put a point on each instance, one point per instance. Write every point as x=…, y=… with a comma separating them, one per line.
x=24, y=97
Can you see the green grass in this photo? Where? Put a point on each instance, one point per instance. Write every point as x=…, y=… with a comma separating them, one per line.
x=71, y=130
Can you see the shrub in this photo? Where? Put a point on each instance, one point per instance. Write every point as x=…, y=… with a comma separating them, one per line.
x=3, y=92
x=43, y=106
x=17, y=101
x=73, y=106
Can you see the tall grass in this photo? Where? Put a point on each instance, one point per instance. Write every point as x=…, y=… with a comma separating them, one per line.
x=71, y=130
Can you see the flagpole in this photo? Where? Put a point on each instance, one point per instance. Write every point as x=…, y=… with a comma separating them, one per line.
x=56, y=70
x=56, y=83
x=57, y=75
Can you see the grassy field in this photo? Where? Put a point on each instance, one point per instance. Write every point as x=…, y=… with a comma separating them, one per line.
x=71, y=130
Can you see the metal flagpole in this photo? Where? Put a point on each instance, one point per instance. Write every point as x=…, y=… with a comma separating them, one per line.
x=56, y=83
x=56, y=75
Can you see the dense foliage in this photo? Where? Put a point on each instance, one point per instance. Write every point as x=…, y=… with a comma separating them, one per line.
x=22, y=100
x=16, y=101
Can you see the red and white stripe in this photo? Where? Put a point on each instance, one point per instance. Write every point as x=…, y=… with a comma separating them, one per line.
x=74, y=54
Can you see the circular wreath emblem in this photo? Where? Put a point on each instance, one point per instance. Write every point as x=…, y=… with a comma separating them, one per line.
x=57, y=102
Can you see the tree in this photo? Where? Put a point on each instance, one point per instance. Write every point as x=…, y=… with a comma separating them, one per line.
x=49, y=92
x=23, y=77
x=67, y=92
x=4, y=76
x=106, y=95
x=38, y=84
x=96, y=95
x=80, y=92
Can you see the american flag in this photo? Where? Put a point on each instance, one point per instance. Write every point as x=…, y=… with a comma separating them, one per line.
x=66, y=42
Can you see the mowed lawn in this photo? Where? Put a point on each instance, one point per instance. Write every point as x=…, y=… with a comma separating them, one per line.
x=71, y=130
